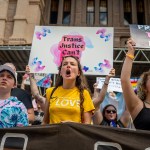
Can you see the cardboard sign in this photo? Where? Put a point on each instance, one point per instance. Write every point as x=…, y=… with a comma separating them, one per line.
x=114, y=84
x=93, y=46
x=141, y=35
x=42, y=80
x=37, y=77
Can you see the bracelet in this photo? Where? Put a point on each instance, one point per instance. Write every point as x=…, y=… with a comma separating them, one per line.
x=106, y=83
x=130, y=56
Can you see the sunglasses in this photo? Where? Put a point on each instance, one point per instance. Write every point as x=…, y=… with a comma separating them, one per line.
x=111, y=111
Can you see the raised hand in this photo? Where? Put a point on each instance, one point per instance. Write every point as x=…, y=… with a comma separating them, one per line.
x=27, y=70
x=131, y=46
x=111, y=73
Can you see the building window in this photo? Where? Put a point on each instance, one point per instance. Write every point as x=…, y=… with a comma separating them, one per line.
x=90, y=12
x=140, y=12
x=54, y=11
x=67, y=12
x=127, y=12
x=103, y=12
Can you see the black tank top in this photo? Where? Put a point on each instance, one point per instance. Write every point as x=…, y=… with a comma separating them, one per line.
x=142, y=121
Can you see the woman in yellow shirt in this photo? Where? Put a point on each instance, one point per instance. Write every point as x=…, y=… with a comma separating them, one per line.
x=69, y=100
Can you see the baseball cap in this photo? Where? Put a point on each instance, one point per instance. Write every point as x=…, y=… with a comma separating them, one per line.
x=9, y=69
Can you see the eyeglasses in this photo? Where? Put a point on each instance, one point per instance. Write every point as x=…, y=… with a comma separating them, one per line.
x=111, y=111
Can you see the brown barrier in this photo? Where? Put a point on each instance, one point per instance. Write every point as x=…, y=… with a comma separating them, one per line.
x=73, y=136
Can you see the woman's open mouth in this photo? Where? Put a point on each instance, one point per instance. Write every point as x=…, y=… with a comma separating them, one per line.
x=68, y=72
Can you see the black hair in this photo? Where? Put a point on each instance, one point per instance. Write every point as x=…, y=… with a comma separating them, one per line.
x=103, y=112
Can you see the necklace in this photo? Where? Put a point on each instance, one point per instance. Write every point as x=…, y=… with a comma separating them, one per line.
x=147, y=102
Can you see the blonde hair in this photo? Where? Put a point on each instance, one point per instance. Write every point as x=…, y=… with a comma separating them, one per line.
x=141, y=85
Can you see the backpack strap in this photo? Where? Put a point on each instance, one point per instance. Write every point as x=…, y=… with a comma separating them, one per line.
x=52, y=93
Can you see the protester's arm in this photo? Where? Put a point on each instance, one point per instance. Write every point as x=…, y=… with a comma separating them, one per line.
x=99, y=99
x=134, y=104
x=87, y=117
x=35, y=92
x=40, y=100
x=96, y=90
x=31, y=115
x=125, y=118
x=34, y=89
x=46, y=114
x=97, y=117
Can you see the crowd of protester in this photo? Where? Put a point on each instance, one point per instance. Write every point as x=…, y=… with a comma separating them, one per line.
x=70, y=100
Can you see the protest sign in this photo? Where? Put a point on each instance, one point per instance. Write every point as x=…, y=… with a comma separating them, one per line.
x=45, y=82
x=42, y=80
x=141, y=35
x=93, y=46
x=114, y=84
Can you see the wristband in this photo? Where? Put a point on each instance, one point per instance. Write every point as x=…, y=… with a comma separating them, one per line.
x=130, y=56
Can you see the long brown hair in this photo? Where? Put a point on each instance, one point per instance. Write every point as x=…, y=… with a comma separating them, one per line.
x=141, y=86
x=81, y=83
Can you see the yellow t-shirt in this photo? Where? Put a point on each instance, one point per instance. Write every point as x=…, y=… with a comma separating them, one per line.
x=65, y=104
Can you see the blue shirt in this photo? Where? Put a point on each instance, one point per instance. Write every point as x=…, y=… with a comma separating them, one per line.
x=12, y=113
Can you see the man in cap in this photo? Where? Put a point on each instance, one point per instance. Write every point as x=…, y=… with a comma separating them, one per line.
x=12, y=111
x=23, y=96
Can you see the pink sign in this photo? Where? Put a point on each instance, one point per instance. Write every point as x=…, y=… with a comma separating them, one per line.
x=71, y=45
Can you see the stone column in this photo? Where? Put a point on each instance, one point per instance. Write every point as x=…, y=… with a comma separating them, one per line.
x=20, y=23
x=96, y=19
x=80, y=15
x=116, y=18
x=147, y=11
x=121, y=13
x=60, y=12
x=134, y=12
x=3, y=17
x=72, y=12
x=110, y=13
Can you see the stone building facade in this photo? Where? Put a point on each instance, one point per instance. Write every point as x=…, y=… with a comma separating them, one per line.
x=19, y=17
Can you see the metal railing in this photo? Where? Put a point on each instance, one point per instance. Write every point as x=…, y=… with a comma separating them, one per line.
x=119, y=53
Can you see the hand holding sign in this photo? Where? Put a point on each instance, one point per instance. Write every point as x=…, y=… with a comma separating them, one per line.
x=114, y=84
x=111, y=73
